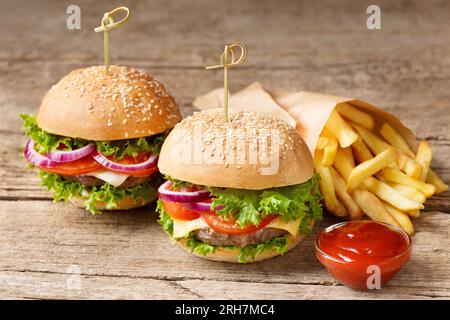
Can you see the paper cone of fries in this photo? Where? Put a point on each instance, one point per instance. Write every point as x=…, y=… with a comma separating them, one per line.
x=369, y=162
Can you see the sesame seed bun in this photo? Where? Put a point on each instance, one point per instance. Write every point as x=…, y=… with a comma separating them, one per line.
x=204, y=149
x=91, y=105
x=224, y=254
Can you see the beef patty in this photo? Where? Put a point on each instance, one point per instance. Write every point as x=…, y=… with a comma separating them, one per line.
x=90, y=181
x=214, y=237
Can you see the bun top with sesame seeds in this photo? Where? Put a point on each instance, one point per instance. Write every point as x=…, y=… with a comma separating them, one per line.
x=251, y=151
x=91, y=105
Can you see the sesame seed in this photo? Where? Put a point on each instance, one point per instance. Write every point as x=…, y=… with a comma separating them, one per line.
x=134, y=94
x=243, y=131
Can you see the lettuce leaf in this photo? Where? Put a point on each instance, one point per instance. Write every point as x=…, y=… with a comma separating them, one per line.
x=249, y=207
x=47, y=142
x=132, y=147
x=250, y=251
x=164, y=220
x=179, y=183
x=62, y=189
x=247, y=253
x=65, y=190
x=200, y=247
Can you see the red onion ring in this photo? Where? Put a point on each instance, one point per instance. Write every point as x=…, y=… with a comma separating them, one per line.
x=201, y=206
x=67, y=156
x=36, y=158
x=114, y=166
x=181, y=196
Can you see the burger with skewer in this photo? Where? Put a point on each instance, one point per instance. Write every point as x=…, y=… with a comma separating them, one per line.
x=97, y=137
x=240, y=189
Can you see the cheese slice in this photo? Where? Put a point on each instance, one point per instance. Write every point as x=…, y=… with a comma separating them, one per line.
x=113, y=178
x=291, y=226
x=182, y=228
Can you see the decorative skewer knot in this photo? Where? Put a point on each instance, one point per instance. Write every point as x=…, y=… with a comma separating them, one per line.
x=225, y=63
x=107, y=24
x=229, y=51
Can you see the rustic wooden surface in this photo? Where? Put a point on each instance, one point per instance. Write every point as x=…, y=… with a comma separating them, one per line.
x=310, y=45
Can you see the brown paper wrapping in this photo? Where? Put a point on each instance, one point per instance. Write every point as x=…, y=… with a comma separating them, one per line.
x=252, y=98
x=308, y=112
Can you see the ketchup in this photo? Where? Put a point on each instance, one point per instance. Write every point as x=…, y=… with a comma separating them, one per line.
x=348, y=249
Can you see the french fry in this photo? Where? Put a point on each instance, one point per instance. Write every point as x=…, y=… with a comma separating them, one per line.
x=409, y=192
x=373, y=207
x=395, y=139
x=352, y=113
x=348, y=154
x=375, y=144
x=372, y=173
x=414, y=213
x=370, y=167
x=434, y=179
x=390, y=195
x=360, y=151
x=394, y=165
x=326, y=185
x=402, y=218
x=329, y=151
x=399, y=177
x=423, y=157
x=341, y=130
x=413, y=169
x=343, y=163
x=321, y=143
x=340, y=188
x=402, y=160
x=340, y=210
x=326, y=133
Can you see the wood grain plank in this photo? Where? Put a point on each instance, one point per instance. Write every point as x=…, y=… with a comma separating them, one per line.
x=190, y=32
x=36, y=285
x=41, y=241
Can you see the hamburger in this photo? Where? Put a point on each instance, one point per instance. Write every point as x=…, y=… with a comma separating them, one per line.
x=237, y=191
x=97, y=137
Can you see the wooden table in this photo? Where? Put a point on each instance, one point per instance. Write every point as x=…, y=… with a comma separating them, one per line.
x=309, y=45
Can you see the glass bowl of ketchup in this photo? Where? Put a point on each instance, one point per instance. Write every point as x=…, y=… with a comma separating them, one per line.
x=363, y=254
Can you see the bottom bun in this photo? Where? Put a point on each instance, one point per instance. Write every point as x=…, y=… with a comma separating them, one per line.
x=126, y=203
x=224, y=254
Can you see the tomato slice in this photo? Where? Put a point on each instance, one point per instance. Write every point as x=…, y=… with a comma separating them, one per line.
x=229, y=226
x=76, y=167
x=130, y=160
x=177, y=211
